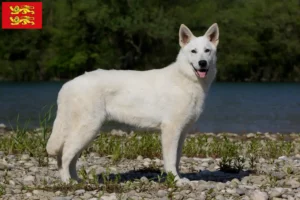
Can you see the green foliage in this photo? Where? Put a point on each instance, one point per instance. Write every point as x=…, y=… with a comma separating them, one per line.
x=259, y=39
x=147, y=145
x=170, y=180
x=2, y=190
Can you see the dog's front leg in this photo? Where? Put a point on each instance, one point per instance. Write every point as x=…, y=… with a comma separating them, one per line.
x=170, y=145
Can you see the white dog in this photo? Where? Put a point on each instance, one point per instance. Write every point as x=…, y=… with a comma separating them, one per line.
x=170, y=99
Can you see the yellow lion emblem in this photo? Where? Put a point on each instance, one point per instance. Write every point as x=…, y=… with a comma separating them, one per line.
x=22, y=20
x=21, y=9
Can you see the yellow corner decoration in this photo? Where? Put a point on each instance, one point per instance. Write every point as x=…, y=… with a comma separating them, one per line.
x=15, y=10
x=22, y=20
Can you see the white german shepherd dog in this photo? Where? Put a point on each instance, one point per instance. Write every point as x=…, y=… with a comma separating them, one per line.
x=170, y=99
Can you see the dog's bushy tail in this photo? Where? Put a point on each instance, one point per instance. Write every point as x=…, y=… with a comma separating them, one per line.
x=56, y=140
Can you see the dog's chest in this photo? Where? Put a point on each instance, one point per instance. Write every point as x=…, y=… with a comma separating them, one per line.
x=196, y=104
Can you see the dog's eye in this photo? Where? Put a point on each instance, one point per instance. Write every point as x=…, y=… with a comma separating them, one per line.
x=194, y=51
x=207, y=50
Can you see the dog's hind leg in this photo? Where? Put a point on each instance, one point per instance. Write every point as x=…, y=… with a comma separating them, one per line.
x=76, y=142
x=72, y=167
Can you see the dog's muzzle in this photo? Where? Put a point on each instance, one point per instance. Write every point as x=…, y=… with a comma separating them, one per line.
x=202, y=72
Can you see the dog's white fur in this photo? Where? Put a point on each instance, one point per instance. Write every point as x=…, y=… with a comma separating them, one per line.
x=170, y=99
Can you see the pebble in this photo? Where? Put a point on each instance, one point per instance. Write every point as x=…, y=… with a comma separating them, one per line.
x=79, y=192
x=293, y=183
x=162, y=193
x=11, y=182
x=3, y=165
x=17, y=191
x=146, y=163
x=145, y=179
x=109, y=197
x=220, y=186
x=28, y=194
x=279, y=175
x=259, y=195
x=276, y=192
x=62, y=198
x=283, y=158
x=205, y=164
x=250, y=135
x=36, y=192
x=29, y=179
x=240, y=191
x=100, y=170
x=25, y=157
x=220, y=197
x=118, y=132
x=139, y=158
x=182, y=182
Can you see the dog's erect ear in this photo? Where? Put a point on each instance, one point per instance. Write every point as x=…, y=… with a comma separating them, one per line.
x=185, y=35
x=213, y=34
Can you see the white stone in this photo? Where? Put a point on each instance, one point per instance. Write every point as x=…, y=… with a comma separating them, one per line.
x=79, y=192
x=293, y=183
x=208, y=160
x=182, y=182
x=282, y=158
x=231, y=191
x=162, y=193
x=28, y=194
x=11, y=182
x=250, y=135
x=110, y=197
x=146, y=163
x=258, y=195
x=290, y=198
x=145, y=179
x=36, y=192
x=140, y=158
x=276, y=192
x=29, y=178
x=220, y=197
x=205, y=164
x=25, y=157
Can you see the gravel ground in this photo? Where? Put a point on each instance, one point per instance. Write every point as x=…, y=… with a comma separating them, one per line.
x=22, y=178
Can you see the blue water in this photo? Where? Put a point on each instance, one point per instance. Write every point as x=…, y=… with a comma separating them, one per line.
x=230, y=107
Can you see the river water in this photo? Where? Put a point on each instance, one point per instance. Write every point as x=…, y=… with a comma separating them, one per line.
x=230, y=107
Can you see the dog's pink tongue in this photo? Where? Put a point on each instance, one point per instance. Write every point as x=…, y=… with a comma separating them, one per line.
x=201, y=74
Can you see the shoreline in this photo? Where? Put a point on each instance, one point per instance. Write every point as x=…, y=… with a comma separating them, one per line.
x=126, y=129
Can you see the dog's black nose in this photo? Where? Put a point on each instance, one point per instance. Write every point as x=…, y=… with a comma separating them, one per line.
x=202, y=63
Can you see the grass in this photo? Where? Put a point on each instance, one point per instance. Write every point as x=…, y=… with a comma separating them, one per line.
x=233, y=152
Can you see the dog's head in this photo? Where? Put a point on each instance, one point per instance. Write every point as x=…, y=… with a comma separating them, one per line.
x=199, y=52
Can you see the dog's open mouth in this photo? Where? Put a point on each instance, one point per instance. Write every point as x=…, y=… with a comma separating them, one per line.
x=201, y=73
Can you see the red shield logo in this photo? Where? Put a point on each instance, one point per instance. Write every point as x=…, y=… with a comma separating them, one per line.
x=21, y=15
